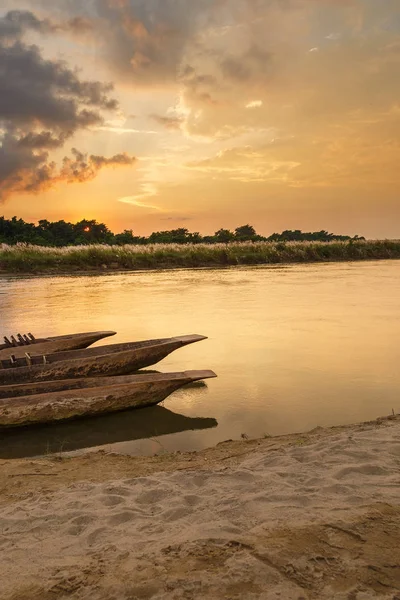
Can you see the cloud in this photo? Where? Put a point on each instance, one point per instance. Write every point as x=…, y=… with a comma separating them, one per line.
x=47, y=93
x=43, y=103
x=145, y=40
x=149, y=190
x=246, y=164
x=122, y=130
x=22, y=171
x=254, y=104
x=331, y=99
x=15, y=23
x=173, y=123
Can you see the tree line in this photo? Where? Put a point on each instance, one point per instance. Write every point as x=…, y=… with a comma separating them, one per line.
x=62, y=233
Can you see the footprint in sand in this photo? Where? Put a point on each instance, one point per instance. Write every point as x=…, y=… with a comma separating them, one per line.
x=119, y=491
x=112, y=500
x=96, y=535
x=79, y=524
x=121, y=518
x=153, y=496
x=361, y=470
x=192, y=500
x=176, y=513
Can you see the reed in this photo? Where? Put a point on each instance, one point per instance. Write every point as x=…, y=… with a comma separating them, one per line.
x=26, y=258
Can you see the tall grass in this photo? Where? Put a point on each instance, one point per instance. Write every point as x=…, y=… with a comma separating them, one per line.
x=25, y=258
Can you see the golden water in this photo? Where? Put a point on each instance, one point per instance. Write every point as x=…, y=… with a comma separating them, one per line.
x=294, y=347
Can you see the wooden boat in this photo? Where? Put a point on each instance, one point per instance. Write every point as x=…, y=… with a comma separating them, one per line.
x=94, y=432
x=140, y=391
x=110, y=360
x=60, y=385
x=22, y=346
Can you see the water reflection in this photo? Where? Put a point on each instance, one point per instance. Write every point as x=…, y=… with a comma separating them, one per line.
x=293, y=347
x=96, y=432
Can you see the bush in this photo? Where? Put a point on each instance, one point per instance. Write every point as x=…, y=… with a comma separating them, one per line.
x=26, y=258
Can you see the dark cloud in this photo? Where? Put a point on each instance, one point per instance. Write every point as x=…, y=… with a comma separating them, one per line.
x=43, y=103
x=145, y=42
x=147, y=39
x=47, y=92
x=16, y=22
x=42, y=140
x=82, y=167
x=24, y=171
x=18, y=164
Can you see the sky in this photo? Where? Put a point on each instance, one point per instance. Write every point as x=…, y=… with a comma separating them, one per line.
x=157, y=114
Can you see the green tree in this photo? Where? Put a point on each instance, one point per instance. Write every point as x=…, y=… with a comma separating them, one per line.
x=245, y=233
x=224, y=236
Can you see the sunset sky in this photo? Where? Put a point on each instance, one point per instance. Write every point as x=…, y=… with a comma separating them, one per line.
x=158, y=114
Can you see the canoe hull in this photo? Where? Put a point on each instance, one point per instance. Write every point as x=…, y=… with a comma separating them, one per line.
x=147, y=390
x=95, y=364
x=46, y=387
x=55, y=344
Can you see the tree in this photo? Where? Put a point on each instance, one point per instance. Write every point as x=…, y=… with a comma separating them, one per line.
x=245, y=233
x=127, y=237
x=224, y=236
x=92, y=232
x=63, y=233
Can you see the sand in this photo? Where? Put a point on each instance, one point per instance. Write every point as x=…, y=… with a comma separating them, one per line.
x=298, y=517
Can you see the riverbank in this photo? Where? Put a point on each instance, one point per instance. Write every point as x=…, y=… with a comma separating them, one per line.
x=28, y=259
x=315, y=515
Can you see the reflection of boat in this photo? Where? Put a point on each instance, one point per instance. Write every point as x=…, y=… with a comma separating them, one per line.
x=23, y=345
x=97, y=431
x=110, y=360
x=46, y=387
x=139, y=391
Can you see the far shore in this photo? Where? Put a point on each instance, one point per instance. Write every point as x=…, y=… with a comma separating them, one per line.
x=29, y=260
x=310, y=515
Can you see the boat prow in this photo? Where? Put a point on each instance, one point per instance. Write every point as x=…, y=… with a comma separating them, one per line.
x=102, y=361
x=22, y=346
x=199, y=375
x=190, y=339
x=47, y=387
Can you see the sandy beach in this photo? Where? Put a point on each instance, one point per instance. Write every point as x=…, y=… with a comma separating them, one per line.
x=303, y=516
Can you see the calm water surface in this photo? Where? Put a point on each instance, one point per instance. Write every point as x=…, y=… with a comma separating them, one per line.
x=294, y=347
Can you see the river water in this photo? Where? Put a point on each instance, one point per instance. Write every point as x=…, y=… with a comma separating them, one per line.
x=294, y=348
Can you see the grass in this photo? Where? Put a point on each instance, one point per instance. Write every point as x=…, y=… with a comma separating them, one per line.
x=25, y=258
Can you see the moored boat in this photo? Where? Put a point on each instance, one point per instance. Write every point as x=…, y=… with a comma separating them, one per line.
x=22, y=346
x=104, y=361
x=60, y=385
x=140, y=391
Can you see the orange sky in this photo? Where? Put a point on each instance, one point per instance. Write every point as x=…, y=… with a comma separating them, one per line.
x=284, y=114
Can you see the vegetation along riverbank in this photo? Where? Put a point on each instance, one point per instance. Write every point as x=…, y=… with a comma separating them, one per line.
x=27, y=258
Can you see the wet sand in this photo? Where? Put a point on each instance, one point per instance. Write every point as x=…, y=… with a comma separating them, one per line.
x=313, y=515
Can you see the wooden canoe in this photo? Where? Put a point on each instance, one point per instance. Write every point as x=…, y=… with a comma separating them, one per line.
x=95, y=432
x=141, y=391
x=23, y=346
x=104, y=361
x=61, y=385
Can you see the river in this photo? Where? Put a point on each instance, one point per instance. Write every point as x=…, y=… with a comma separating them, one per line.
x=294, y=347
